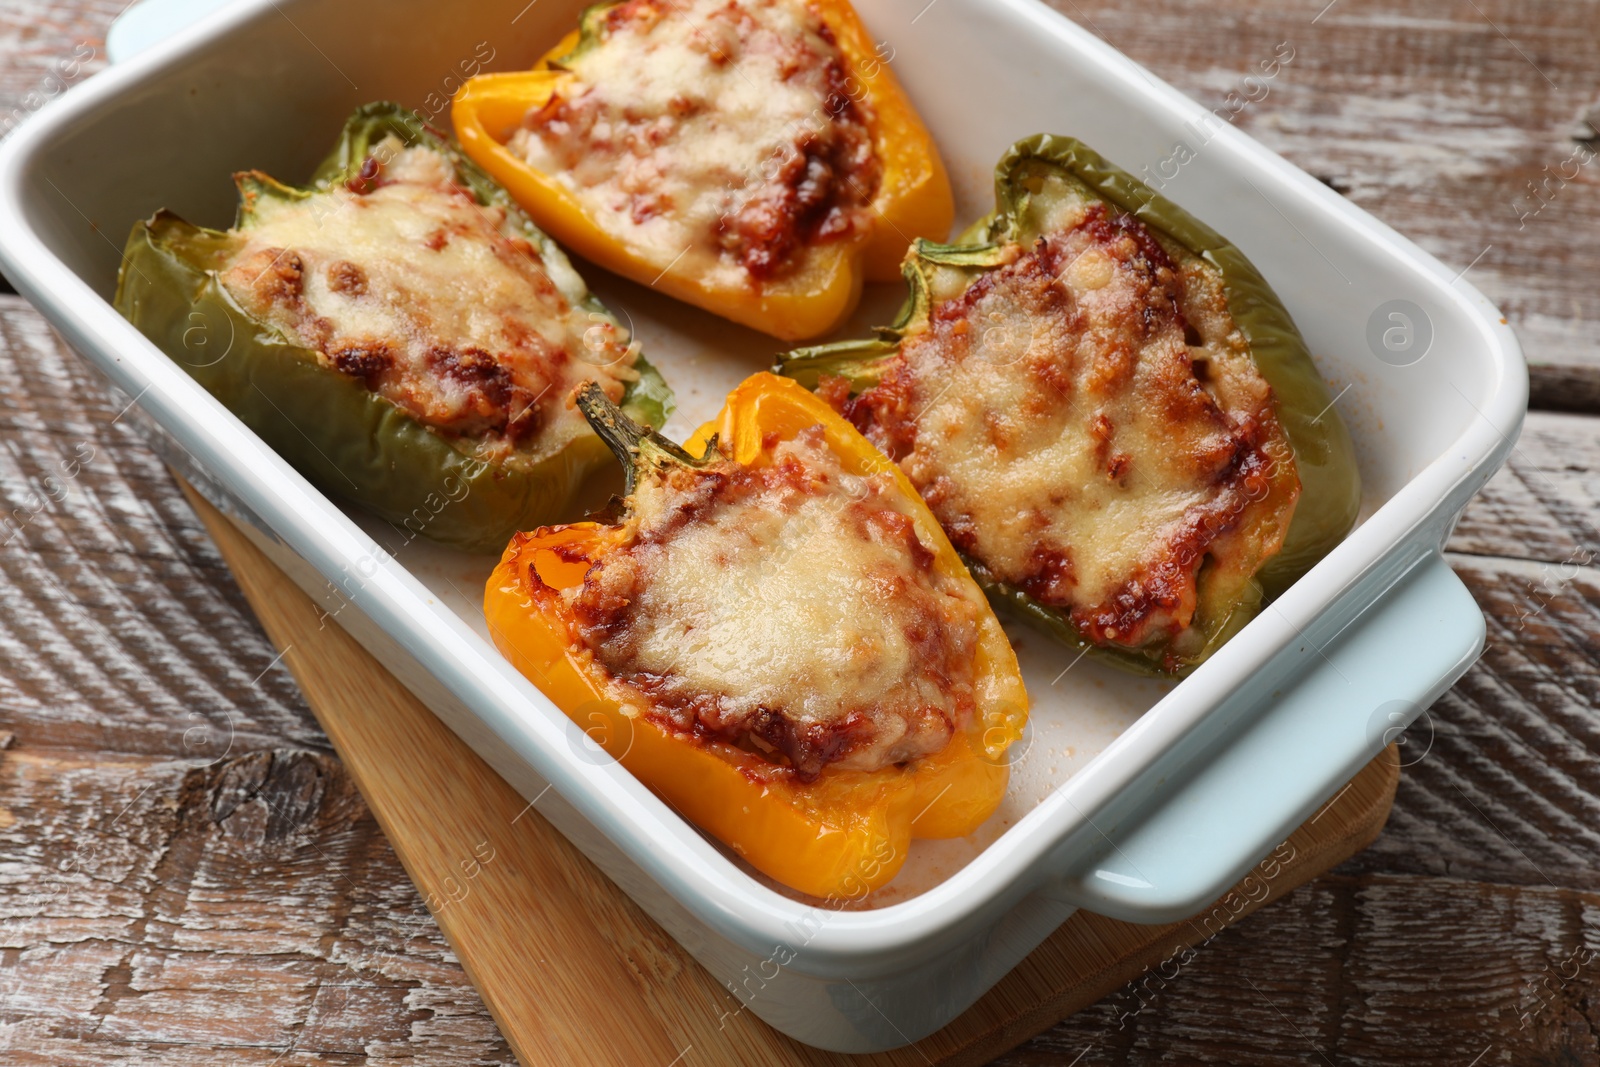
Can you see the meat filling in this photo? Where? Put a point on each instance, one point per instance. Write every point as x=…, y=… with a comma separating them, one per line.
x=789, y=608
x=1089, y=427
x=717, y=136
x=404, y=282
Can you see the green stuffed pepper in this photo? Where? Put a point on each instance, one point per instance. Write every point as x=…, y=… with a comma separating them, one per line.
x=399, y=331
x=1108, y=409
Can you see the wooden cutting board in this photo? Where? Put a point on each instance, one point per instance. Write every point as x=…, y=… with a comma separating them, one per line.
x=574, y=972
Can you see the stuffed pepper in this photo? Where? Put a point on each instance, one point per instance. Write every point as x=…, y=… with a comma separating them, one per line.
x=398, y=330
x=776, y=637
x=1109, y=410
x=756, y=158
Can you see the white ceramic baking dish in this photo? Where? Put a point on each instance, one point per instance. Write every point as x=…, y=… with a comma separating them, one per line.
x=1131, y=798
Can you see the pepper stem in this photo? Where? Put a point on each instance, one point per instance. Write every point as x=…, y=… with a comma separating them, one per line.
x=636, y=447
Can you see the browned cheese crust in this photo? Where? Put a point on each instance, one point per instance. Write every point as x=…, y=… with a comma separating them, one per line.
x=1087, y=424
x=789, y=608
x=403, y=281
x=724, y=136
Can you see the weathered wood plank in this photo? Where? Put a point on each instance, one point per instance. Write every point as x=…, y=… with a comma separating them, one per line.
x=148, y=905
x=1504, y=781
x=1545, y=503
x=187, y=870
x=1454, y=123
x=158, y=906
x=1371, y=970
x=97, y=550
x=45, y=49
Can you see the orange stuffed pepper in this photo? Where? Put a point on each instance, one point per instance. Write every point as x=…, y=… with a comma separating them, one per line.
x=756, y=158
x=776, y=637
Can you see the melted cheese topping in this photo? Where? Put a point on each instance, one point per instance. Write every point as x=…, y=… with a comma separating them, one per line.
x=402, y=280
x=790, y=608
x=1087, y=424
x=712, y=136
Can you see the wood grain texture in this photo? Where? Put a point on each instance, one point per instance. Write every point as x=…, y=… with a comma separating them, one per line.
x=573, y=971
x=1461, y=124
x=45, y=49
x=177, y=837
x=186, y=875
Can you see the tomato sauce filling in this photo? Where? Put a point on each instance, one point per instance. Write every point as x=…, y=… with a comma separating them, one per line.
x=722, y=136
x=790, y=608
x=1086, y=422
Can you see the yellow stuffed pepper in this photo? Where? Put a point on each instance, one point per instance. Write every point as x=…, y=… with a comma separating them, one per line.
x=776, y=637
x=756, y=158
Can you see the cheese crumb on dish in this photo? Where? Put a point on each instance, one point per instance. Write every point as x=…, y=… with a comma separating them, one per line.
x=402, y=280
x=789, y=608
x=715, y=136
x=1088, y=425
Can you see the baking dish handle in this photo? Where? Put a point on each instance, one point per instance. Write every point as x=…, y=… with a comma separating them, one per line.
x=1205, y=830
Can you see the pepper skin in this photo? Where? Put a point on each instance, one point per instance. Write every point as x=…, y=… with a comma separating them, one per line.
x=842, y=834
x=913, y=199
x=346, y=438
x=1324, y=458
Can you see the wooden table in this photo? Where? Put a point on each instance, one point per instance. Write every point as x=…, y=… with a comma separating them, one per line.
x=187, y=875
